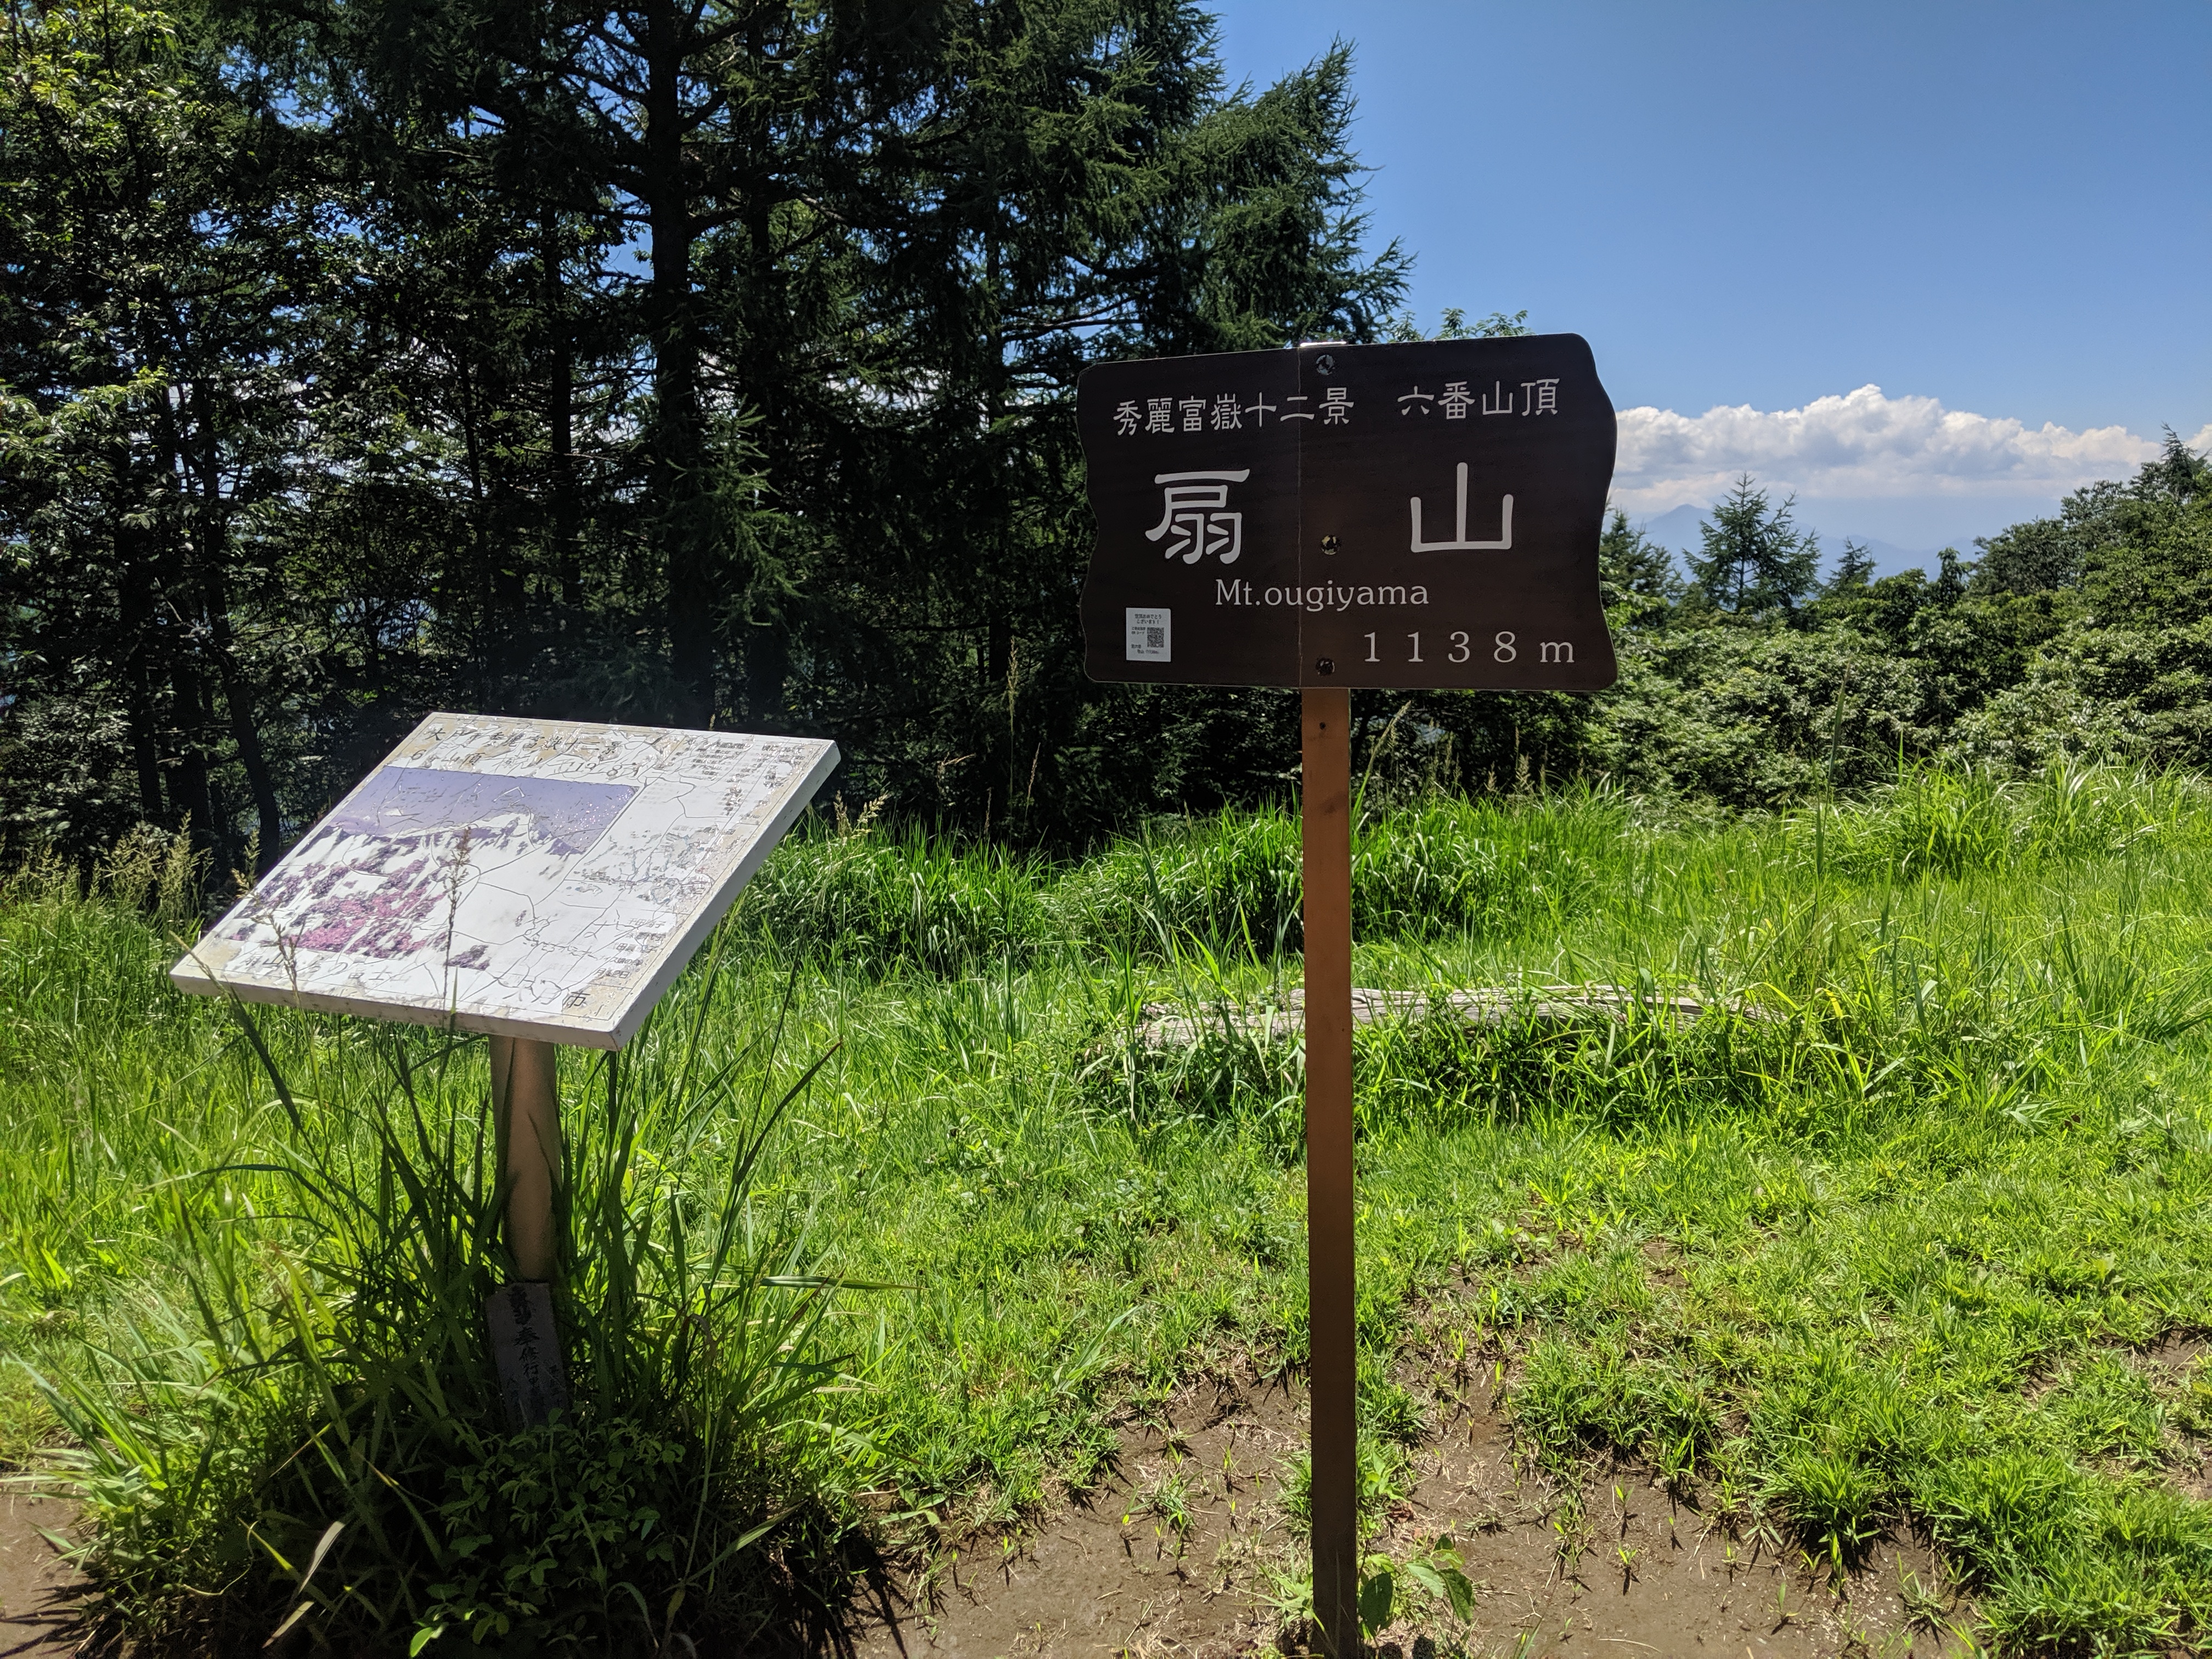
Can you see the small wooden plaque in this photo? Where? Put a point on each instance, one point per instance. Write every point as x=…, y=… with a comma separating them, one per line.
x=527, y=1350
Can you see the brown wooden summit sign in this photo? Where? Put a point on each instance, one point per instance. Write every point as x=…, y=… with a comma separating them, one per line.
x=1411, y=516
x=1422, y=515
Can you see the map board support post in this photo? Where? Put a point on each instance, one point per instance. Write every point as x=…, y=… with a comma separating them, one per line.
x=1325, y=814
x=526, y=1101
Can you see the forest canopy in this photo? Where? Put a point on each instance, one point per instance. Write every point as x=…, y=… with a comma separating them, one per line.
x=715, y=365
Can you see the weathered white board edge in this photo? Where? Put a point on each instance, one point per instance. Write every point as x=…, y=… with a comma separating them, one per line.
x=189, y=976
x=675, y=957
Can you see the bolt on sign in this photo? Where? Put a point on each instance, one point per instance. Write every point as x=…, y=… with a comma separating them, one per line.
x=1421, y=515
x=1410, y=516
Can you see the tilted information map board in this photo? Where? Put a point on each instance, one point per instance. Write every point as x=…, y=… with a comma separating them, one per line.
x=543, y=880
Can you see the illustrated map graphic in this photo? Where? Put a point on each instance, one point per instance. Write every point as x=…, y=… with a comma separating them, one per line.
x=536, y=878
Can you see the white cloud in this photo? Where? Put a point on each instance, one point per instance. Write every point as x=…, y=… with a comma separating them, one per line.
x=1863, y=445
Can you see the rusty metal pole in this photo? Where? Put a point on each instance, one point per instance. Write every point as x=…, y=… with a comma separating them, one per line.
x=527, y=1104
x=1327, y=813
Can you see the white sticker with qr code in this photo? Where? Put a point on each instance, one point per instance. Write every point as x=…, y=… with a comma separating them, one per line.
x=1150, y=640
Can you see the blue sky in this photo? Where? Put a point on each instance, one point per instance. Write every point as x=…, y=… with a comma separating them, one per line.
x=1994, y=214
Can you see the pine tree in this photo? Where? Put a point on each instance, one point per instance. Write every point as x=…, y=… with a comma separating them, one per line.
x=1755, y=560
x=1634, y=570
x=154, y=276
x=1853, y=571
x=359, y=402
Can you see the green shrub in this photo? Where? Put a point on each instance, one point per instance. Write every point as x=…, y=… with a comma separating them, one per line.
x=1224, y=881
x=874, y=901
x=1954, y=822
x=308, y=1430
x=1234, y=883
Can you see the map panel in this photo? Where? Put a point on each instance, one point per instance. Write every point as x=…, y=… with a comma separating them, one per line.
x=536, y=878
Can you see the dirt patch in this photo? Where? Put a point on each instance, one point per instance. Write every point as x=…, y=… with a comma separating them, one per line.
x=2176, y=1353
x=2176, y=1365
x=1183, y=1551
x=1619, y=1567
x=1170, y=1555
x=37, y=1591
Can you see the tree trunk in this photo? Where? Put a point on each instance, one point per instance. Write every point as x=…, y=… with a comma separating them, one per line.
x=561, y=424
x=134, y=606
x=683, y=511
x=491, y=636
x=767, y=640
x=138, y=711
x=189, y=798
x=213, y=546
x=189, y=794
x=767, y=665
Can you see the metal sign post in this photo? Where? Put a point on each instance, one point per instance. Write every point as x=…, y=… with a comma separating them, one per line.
x=1421, y=516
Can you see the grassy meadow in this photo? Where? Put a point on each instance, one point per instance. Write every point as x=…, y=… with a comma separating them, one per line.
x=892, y=1213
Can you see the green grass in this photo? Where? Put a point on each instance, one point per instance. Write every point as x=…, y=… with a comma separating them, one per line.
x=1888, y=1248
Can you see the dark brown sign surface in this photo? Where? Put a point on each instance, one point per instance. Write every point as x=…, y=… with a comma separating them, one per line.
x=1422, y=515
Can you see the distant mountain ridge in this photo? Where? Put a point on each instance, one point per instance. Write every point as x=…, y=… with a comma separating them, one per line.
x=1677, y=528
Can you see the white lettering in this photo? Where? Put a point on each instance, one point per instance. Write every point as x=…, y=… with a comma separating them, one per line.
x=1459, y=543
x=1195, y=510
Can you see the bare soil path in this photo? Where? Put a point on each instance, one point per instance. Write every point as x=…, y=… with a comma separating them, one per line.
x=1183, y=1552
x=1117, y=1572
x=38, y=1604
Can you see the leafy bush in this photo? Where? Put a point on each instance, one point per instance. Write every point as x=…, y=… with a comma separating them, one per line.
x=1251, y=1083
x=1234, y=882
x=1647, y=1068
x=309, y=1432
x=872, y=901
x=1223, y=880
x=1955, y=821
